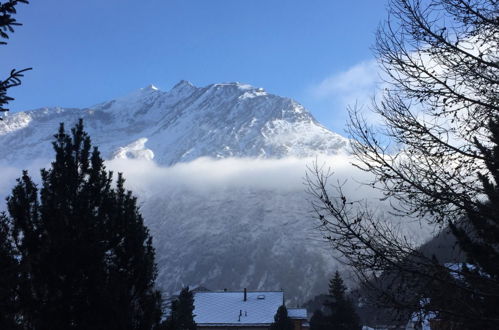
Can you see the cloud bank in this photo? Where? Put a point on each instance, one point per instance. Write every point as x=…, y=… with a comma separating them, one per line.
x=206, y=174
x=145, y=177
x=356, y=85
x=207, y=184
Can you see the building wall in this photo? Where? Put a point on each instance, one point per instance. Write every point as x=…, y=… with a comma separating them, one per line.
x=298, y=324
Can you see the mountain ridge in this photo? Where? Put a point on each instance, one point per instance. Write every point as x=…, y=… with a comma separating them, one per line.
x=182, y=124
x=225, y=236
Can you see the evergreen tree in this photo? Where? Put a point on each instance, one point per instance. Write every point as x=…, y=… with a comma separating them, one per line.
x=479, y=240
x=337, y=288
x=318, y=321
x=86, y=259
x=281, y=320
x=9, y=265
x=170, y=322
x=7, y=23
x=341, y=312
x=9, y=277
x=181, y=315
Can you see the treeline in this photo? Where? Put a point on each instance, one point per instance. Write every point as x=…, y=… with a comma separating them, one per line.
x=75, y=253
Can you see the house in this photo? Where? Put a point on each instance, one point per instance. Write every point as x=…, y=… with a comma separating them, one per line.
x=299, y=317
x=242, y=310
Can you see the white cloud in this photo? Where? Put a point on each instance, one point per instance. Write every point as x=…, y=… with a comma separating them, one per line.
x=215, y=179
x=204, y=175
x=9, y=175
x=357, y=85
x=212, y=180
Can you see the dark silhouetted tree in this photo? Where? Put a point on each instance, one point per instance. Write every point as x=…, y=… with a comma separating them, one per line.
x=85, y=258
x=281, y=320
x=434, y=157
x=9, y=277
x=338, y=311
x=318, y=321
x=181, y=314
x=7, y=23
x=341, y=312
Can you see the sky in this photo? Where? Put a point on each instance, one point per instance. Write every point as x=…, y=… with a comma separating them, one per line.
x=317, y=52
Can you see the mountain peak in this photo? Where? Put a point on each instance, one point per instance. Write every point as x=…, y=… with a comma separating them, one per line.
x=137, y=95
x=220, y=121
x=150, y=87
x=183, y=84
x=183, y=88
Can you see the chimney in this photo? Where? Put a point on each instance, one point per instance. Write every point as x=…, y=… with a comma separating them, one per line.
x=245, y=295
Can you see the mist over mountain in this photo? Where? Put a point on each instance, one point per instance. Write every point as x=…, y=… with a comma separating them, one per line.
x=219, y=175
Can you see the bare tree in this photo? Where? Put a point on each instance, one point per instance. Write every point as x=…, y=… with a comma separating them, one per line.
x=435, y=157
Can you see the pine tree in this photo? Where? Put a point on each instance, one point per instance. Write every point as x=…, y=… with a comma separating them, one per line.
x=281, y=320
x=9, y=277
x=342, y=315
x=337, y=288
x=181, y=314
x=318, y=321
x=479, y=240
x=86, y=258
x=7, y=23
x=170, y=322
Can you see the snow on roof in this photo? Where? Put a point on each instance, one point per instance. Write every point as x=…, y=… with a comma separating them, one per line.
x=297, y=313
x=224, y=308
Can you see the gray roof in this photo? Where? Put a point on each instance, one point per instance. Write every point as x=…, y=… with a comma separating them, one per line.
x=297, y=313
x=225, y=308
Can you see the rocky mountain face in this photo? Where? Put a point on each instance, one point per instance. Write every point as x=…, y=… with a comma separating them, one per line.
x=220, y=120
x=231, y=236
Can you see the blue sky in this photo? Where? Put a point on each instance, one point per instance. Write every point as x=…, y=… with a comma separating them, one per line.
x=84, y=52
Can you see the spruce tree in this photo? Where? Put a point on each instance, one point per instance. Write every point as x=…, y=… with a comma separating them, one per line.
x=337, y=288
x=7, y=23
x=86, y=259
x=181, y=315
x=341, y=312
x=318, y=321
x=9, y=277
x=479, y=240
x=281, y=320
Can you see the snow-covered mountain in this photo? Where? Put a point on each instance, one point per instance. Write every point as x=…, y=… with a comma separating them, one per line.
x=231, y=236
x=220, y=120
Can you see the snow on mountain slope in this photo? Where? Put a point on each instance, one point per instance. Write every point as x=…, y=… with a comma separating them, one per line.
x=238, y=238
x=226, y=236
x=220, y=120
